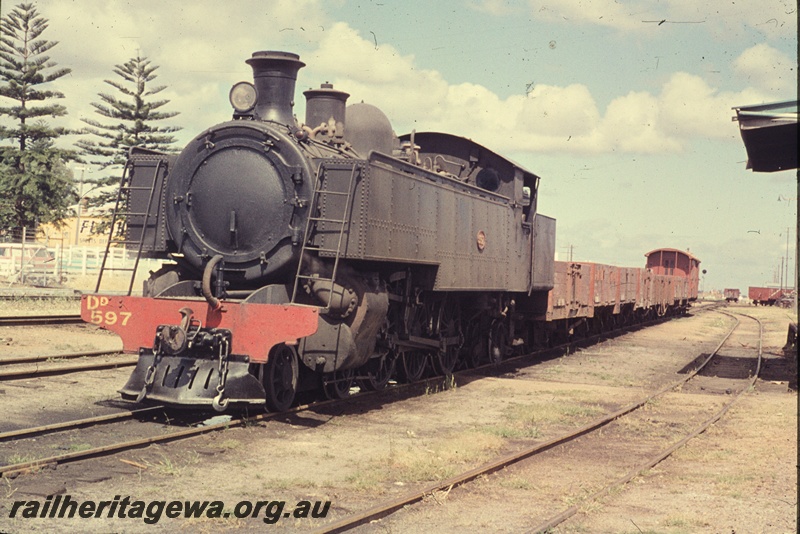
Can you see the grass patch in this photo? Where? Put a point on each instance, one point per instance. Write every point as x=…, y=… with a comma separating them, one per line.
x=720, y=322
x=684, y=523
x=519, y=421
x=525, y=420
x=604, y=376
x=289, y=483
x=581, y=411
x=17, y=458
x=736, y=486
x=440, y=459
x=516, y=482
x=648, y=427
x=366, y=480
x=229, y=444
x=168, y=466
x=448, y=383
x=424, y=460
x=508, y=432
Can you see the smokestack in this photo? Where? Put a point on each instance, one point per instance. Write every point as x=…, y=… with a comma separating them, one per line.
x=275, y=74
x=324, y=104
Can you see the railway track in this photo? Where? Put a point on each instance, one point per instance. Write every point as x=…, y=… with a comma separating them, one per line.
x=40, y=320
x=24, y=433
x=16, y=294
x=12, y=470
x=184, y=433
x=386, y=508
x=11, y=440
x=53, y=357
x=15, y=469
x=49, y=365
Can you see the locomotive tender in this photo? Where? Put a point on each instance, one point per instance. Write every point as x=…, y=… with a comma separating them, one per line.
x=307, y=256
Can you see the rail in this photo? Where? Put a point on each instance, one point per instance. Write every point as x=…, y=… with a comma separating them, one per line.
x=39, y=320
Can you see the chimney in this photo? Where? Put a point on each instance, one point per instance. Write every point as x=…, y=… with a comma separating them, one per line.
x=275, y=74
x=325, y=103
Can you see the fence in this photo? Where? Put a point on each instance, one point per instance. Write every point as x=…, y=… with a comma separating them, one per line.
x=73, y=266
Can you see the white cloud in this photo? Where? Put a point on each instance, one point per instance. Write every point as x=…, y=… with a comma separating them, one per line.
x=558, y=111
x=343, y=52
x=493, y=7
x=691, y=107
x=768, y=69
x=201, y=53
x=631, y=124
x=549, y=118
x=723, y=18
x=609, y=13
x=199, y=48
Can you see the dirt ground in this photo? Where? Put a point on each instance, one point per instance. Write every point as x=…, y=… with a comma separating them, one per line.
x=739, y=476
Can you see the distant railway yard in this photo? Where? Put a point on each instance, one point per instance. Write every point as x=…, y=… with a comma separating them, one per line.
x=685, y=426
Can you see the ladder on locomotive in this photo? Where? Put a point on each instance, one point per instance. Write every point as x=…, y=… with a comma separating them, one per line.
x=123, y=200
x=311, y=223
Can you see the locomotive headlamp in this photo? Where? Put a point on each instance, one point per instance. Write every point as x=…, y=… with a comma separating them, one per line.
x=243, y=96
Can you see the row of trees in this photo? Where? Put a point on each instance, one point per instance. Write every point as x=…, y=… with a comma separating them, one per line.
x=36, y=186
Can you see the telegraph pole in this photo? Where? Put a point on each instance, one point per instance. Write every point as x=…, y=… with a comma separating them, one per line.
x=787, y=257
x=78, y=211
x=782, y=198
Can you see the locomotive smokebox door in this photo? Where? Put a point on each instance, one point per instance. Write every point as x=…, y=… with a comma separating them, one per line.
x=240, y=190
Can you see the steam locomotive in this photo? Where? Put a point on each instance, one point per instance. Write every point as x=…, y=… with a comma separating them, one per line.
x=310, y=256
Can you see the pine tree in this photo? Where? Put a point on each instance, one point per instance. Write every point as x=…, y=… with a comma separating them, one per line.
x=135, y=115
x=35, y=185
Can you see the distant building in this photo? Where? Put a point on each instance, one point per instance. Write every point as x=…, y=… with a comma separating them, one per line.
x=83, y=231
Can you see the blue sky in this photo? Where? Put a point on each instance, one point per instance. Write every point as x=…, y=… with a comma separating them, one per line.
x=626, y=118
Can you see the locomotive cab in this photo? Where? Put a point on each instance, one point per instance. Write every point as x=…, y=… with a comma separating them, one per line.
x=474, y=164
